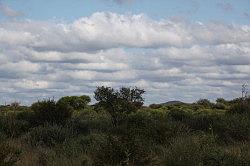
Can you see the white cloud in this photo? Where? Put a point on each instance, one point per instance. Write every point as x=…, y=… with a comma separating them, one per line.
x=171, y=60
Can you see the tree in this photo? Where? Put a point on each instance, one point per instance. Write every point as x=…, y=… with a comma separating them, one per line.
x=119, y=102
x=221, y=100
x=205, y=103
x=76, y=102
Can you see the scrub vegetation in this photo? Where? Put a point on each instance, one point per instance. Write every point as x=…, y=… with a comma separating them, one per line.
x=118, y=130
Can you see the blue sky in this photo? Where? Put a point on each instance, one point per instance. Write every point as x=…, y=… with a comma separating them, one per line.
x=175, y=50
x=230, y=11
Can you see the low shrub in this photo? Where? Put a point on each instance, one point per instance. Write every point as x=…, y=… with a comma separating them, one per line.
x=121, y=151
x=9, y=155
x=52, y=112
x=196, y=149
x=221, y=106
x=230, y=128
x=13, y=127
x=49, y=135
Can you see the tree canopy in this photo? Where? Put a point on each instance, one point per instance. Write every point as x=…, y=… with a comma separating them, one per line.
x=116, y=102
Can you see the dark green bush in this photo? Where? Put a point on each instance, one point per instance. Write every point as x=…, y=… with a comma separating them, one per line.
x=52, y=112
x=49, y=135
x=9, y=154
x=196, y=149
x=121, y=151
x=151, y=128
x=155, y=106
x=178, y=114
x=231, y=128
x=13, y=127
x=220, y=106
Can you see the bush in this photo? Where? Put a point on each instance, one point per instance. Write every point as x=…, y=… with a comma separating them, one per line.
x=52, y=112
x=13, y=127
x=149, y=128
x=49, y=135
x=196, y=149
x=28, y=116
x=239, y=108
x=220, y=106
x=9, y=155
x=230, y=128
x=155, y=106
x=178, y=114
x=122, y=151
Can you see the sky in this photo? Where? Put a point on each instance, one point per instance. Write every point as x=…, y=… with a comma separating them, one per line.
x=175, y=50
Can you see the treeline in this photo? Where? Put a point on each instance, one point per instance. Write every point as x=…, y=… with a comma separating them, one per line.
x=119, y=130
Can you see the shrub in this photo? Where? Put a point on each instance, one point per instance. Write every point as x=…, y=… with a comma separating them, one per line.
x=240, y=106
x=220, y=106
x=155, y=106
x=231, y=128
x=149, y=128
x=28, y=116
x=178, y=114
x=122, y=151
x=52, y=112
x=9, y=155
x=49, y=135
x=196, y=149
x=13, y=127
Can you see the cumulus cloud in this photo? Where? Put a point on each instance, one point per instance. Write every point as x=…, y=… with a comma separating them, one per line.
x=172, y=60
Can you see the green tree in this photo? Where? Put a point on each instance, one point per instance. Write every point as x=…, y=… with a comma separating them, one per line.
x=221, y=100
x=119, y=102
x=205, y=102
x=76, y=102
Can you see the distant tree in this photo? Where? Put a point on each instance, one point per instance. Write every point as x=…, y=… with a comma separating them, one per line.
x=221, y=100
x=15, y=104
x=155, y=106
x=221, y=103
x=76, y=102
x=118, y=102
x=204, y=102
x=240, y=106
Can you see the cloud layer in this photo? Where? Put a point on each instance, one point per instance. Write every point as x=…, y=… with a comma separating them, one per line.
x=170, y=59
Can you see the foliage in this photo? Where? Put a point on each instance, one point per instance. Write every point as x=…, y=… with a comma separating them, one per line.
x=49, y=135
x=205, y=102
x=120, y=131
x=77, y=102
x=118, y=102
x=52, y=112
x=9, y=154
x=200, y=149
x=11, y=126
x=241, y=106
